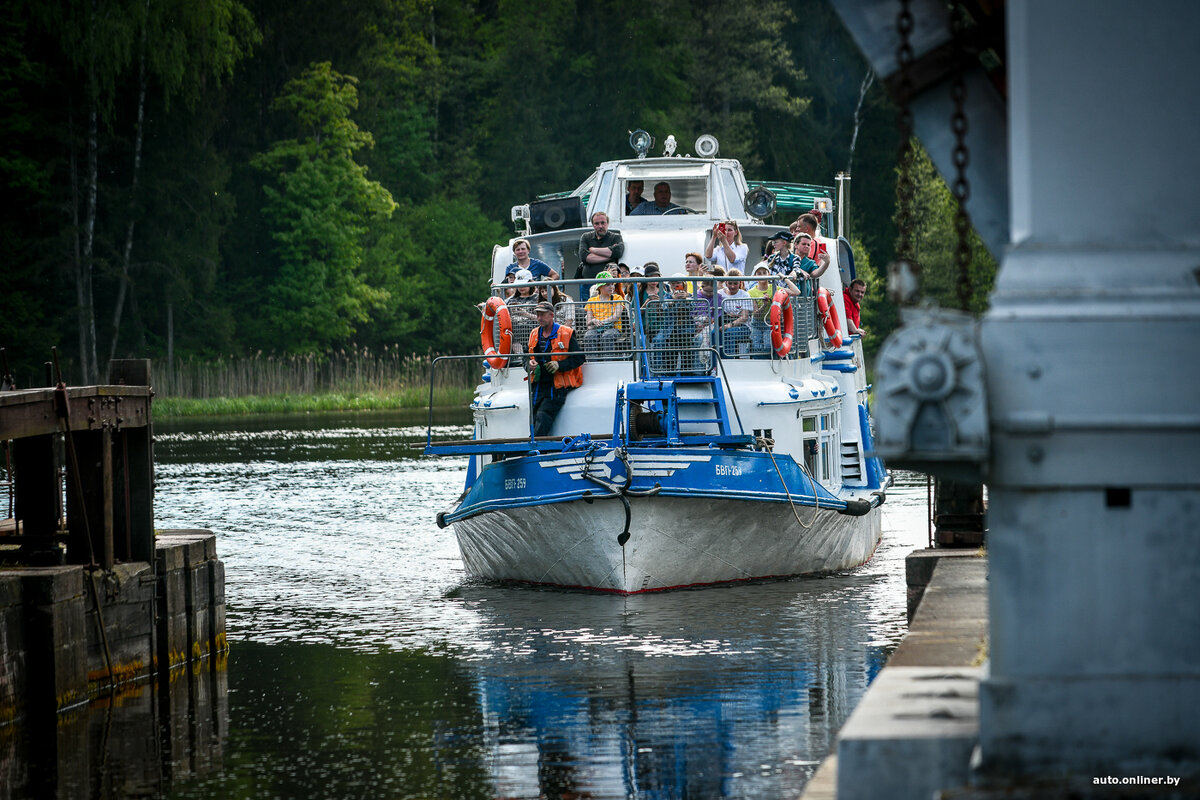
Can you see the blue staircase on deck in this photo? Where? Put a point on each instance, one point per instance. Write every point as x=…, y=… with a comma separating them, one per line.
x=661, y=397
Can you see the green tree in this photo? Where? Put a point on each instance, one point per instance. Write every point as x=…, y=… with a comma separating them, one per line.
x=433, y=282
x=743, y=72
x=401, y=74
x=89, y=76
x=319, y=202
x=935, y=240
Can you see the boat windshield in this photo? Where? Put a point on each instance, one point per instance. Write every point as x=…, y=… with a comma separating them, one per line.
x=688, y=182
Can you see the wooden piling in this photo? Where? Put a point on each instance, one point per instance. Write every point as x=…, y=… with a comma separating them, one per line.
x=99, y=603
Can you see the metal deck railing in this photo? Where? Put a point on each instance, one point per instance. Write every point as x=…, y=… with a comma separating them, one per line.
x=676, y=332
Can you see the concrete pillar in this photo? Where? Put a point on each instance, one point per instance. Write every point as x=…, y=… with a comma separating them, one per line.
x=1090, y=348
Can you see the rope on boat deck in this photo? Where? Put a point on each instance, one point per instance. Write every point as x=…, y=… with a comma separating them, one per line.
x=768, y=445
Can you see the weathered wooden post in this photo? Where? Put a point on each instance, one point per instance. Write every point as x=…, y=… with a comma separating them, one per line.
x=135, y=446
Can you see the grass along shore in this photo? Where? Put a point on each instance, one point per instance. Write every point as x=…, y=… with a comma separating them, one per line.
x=347, y=380
x=175, y=407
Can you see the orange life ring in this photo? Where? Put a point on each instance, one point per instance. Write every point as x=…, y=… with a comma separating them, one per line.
x=829, y=314
x=495, y=309
x=781, y=323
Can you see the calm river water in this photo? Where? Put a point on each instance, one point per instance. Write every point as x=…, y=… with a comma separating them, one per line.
x=364, y=663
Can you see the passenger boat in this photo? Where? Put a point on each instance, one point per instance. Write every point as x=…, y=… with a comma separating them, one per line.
x=681, y=460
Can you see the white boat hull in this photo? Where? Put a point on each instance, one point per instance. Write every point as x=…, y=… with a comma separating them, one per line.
x=674, y=542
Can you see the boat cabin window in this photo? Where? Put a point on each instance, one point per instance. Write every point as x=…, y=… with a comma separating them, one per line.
x=601, y=195
x=584, y=189
x=734, y=195
x=687, y=192
x=808, y=429
x=820, y=442
x=688, y=181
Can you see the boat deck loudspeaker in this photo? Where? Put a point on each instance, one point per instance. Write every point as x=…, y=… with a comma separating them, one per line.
x=760, y=202
x=561, y=213
x=707, y=146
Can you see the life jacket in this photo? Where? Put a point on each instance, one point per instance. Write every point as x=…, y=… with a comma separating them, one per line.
x=558, y=351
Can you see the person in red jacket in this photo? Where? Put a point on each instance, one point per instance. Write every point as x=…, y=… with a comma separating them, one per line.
x=555, y=367
x=852, y=298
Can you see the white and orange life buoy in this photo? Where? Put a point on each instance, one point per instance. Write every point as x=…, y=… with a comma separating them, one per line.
x=781, y=323
x=829, y=316
x=495, y=309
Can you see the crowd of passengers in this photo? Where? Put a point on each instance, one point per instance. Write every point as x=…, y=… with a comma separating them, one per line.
x=679, y=313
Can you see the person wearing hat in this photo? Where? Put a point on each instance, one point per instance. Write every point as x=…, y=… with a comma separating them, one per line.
x=520, y=306
x=762, y=293
x=555, y=367
x=780, y=260
x=651, y=270
x=632, y=290
x=649, y=291
x=605, y=315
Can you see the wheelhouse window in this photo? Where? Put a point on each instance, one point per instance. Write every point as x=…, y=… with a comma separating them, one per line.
x=689, y=183
x=734, y=195
x=600, y=196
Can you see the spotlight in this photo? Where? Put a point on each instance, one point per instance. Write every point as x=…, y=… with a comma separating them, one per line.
x=759, y=202
x=641, y=142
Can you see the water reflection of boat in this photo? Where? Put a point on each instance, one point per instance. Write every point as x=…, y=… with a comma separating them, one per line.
x=668, y=695
x=681, y=460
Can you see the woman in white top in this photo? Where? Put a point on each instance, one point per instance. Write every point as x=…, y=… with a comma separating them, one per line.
x=725, y=247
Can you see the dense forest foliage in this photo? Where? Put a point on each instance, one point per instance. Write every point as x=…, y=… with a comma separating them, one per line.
x=219, y=177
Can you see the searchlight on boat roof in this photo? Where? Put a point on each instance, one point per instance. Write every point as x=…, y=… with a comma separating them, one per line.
x=707, y=146
x=641, y=142
x=759, y=202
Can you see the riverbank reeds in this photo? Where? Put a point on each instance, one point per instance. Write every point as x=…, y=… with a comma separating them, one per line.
x=345, y=380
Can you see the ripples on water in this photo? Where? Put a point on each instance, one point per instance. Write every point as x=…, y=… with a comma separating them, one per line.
x=364, y=662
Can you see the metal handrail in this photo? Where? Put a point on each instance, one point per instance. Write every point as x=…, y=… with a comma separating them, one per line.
x=637, y=376
x=801, y=303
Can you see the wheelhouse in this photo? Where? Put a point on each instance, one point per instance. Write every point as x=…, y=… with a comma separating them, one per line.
x=706, y=191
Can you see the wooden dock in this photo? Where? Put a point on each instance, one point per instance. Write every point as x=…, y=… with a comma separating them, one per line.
x=92, y=598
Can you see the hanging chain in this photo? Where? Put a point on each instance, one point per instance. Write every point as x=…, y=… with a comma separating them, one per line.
x=904, y=184
x=962, y=157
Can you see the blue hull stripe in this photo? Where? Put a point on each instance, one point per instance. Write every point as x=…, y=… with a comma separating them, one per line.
x=692, y=473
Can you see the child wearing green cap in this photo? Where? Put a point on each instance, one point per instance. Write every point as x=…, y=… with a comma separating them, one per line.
x=605, y=317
